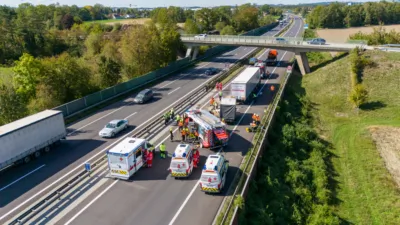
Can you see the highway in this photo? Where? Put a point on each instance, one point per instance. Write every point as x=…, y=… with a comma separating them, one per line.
x=152, y=197
x=19, y=186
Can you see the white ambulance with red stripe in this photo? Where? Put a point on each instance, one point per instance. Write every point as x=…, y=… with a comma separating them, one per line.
x=213, y=176
x=127, y=157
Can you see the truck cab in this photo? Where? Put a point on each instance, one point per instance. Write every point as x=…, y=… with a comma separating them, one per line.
x=272, y=57
x=182, y=161
x=213, y=176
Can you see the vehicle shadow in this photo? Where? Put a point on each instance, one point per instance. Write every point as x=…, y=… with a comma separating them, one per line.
x=68, y=150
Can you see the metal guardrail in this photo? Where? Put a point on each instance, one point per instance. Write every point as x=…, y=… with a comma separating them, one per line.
x=147, y=132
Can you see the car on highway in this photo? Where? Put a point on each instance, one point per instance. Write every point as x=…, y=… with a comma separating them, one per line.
x=280, y=40
x=317, y=41
x=200, y=36
x=113, y=127
x=211, y=71
x=143, y=96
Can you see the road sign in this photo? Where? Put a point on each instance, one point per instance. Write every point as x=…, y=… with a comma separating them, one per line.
x=289, y=69
x=88, y=167
x=305, y=26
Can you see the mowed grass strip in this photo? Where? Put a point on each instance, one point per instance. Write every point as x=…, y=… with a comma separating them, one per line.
x=121, y=21
x=365, y=191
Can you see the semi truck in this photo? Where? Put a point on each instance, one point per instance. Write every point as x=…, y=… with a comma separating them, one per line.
x=244, y=84
x=272, y=57
x=29, y=137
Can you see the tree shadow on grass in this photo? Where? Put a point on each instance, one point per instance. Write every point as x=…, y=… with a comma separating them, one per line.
x=370, y=106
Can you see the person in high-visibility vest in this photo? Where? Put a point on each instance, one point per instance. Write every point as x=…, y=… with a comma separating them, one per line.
x=220, y=96
x=212, y=101
x=162, y=150
x=178, y=117
x=272, y=88
x=187, y=133
x=196, y=135
x=196, y=157
x=180, y=125
x=172, y=113
x=171, y=134
x=183, y=133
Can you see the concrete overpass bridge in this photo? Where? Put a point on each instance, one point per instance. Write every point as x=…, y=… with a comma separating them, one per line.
x=297, y=45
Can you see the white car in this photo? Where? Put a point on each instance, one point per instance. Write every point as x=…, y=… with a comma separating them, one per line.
x=200, y=36
x=113, y=128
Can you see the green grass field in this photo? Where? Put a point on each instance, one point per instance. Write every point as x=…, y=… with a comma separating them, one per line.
x=365, y=191
x=5, y=75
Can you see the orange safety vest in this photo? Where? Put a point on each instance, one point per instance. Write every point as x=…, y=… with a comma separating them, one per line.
x=180, y=124
x=196, y=133
x=254, y=117
x=183, y=132
x=212, y=101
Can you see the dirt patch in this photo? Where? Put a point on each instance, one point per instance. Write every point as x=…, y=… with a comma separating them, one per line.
x=341, y=35
x=388, y=144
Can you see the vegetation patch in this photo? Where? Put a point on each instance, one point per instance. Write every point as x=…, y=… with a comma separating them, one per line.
x=321, y=165
x=316, y=58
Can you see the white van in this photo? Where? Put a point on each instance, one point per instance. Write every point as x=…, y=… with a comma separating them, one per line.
x=127, y=157
x=213, y=177
x=182, y=161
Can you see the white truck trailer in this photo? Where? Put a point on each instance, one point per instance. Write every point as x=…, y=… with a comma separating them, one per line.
x=244, y=84
x=28, y=137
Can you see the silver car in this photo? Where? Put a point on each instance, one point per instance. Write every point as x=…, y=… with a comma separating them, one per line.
x=113, y=128
x=200, y=36
x=317, y=41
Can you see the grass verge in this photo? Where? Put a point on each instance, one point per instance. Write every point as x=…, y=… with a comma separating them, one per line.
x=121, y=21
x=321, y=166
x=6, y=75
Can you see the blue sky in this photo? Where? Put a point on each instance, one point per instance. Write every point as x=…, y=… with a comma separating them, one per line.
x=155, y=3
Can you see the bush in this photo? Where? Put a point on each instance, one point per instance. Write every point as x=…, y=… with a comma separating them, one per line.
x=359, y=95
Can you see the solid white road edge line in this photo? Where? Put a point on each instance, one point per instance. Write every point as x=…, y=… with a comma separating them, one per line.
x=8, y=185
x=102, y=151
x=91, y=202
x=195, y=186
x=174, y=90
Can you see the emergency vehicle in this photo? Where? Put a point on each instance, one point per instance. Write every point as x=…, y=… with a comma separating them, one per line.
x=213, y=176
x=182, y=161
x=127, y=157
x=212, y=132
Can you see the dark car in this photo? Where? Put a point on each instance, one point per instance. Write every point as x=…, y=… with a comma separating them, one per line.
x=317, y=41
x=211, y=71
x=144, y=96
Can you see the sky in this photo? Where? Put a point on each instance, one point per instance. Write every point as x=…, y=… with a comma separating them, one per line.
x=158, y=3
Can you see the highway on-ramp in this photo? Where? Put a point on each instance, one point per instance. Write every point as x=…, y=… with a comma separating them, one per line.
x=21, y=185
x=152, y=197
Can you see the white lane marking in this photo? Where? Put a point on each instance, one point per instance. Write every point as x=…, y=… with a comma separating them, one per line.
x=90, y=203
x=195, y=186
x=94, y=121
x=174, y=90
x=102, y=151
x=130, y=115
x=167, y=84
x=8, y=185
x=184, y=203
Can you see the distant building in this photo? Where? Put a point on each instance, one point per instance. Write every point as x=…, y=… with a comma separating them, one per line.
x=117, y=16
x=130, y=16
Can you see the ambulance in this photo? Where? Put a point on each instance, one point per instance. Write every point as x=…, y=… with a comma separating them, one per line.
x=212, y=132
x=213, y=176
x=182, y=161
x=127, y=157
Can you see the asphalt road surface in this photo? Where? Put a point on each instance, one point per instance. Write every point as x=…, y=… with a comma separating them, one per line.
x=19, y=184
x=152, y=197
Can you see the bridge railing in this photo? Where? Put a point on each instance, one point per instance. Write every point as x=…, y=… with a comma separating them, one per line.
x=243, y=39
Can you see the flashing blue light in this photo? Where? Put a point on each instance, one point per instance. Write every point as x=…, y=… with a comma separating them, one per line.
x=173, y=155
x=107, y=151
x=126, y=154
x=184, y=154
x=204, y=167
x=215, y=168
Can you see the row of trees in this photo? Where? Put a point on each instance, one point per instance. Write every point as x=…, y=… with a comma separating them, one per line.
x=103, y=61
x=338, y=15
x=227, y=21
x=359, y=94
x=292, y=185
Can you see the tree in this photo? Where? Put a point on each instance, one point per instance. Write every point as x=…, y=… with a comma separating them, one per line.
x=12, y=105
x=67, y=21
x=94, y=44
x=228, y=30
x=219, y=26
x=109, y=71
x=246, y=18
x=191, y=27
x=206, y=18
x=359, y=95
x=28, y=71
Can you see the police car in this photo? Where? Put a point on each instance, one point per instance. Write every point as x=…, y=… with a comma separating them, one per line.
x=213, y=176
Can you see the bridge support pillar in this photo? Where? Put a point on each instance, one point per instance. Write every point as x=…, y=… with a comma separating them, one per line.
x=195, y=52
x=302, y=61
x=189, y=51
